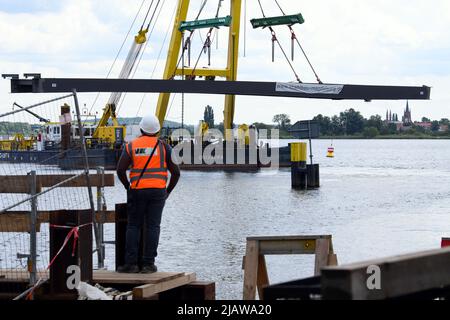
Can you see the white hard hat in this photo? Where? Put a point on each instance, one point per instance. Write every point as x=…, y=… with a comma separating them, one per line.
x=150, y=124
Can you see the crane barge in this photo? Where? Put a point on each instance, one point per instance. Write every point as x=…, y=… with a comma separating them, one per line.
x=108, y=136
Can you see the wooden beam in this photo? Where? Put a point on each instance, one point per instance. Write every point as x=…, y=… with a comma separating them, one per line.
x=19, y=221
x=400, y=276
x=289, y=244
x=284, y=238
x=21, y=275
x=20, y=183
x=148, y=290
x=281, y=247
x=109, y=277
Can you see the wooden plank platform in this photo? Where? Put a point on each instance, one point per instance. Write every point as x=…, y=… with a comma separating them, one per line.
x=156, y=285
x=102, y=276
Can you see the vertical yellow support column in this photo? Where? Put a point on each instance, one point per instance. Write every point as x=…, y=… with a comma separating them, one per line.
x=299, y=152
x=232, y=64
x=172, y=57
x=298, y=165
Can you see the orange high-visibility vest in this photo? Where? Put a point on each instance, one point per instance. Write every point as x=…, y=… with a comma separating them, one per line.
x=155, y=175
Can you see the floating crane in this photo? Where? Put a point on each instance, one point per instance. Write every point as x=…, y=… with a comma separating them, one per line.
x=180, y=47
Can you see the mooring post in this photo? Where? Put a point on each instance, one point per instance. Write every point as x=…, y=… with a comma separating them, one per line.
x=298, y=165
x=33, y=219
x=65, y=129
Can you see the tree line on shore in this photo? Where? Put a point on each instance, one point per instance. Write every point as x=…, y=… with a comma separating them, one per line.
x=353, y=124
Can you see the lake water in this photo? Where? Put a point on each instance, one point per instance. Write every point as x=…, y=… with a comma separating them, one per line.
x=378, y=198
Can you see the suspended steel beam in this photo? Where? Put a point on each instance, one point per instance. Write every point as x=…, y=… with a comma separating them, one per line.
x=248, y=88
x=277, y=21
x=206, y=23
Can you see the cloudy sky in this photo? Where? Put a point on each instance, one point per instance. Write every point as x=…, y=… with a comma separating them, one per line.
x=396, y=42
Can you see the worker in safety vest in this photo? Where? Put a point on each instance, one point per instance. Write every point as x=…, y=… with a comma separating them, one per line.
x=150, y=161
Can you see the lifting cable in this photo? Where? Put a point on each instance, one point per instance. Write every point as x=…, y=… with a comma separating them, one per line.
x=153, y=14
x=275, y=39
x=187, y=42
x=118, y=53
x=146, y=15
x=141, y=53
x=207, y=44
x=159, y=56
x=294, y=38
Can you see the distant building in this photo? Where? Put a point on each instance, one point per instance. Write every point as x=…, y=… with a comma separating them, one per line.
x=443, y=128
x=391, y=117
x=426, y=125
x=407, y=118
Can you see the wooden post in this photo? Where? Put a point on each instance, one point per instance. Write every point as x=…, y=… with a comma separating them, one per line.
x=65, y=128
x=121, y=231
x=263, y=277
x=322, y=252
x=83, y=251
x=313, y=179
x=121, y=235
x=251, y=270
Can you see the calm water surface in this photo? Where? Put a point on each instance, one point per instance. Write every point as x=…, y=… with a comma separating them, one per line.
x=378, y=198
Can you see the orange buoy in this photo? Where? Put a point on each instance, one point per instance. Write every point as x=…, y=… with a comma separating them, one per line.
x=330, y=153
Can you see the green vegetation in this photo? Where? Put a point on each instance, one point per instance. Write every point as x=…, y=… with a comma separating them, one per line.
x=11, y=128
x=350, y=124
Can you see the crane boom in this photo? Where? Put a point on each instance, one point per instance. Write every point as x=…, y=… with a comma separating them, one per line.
x=109, y=112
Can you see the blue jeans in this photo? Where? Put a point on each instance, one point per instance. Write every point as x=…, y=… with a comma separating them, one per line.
x=145, y=207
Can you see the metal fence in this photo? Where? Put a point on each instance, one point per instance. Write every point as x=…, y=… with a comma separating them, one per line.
x=33, y=185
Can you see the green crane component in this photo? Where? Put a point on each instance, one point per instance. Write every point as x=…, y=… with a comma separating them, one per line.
x=277, y=21
x=206, y=23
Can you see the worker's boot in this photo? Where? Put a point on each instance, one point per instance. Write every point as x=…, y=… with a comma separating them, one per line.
x=128, y=269
x=149, y=268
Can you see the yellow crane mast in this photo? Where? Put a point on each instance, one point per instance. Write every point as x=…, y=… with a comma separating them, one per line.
x=229, y=72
